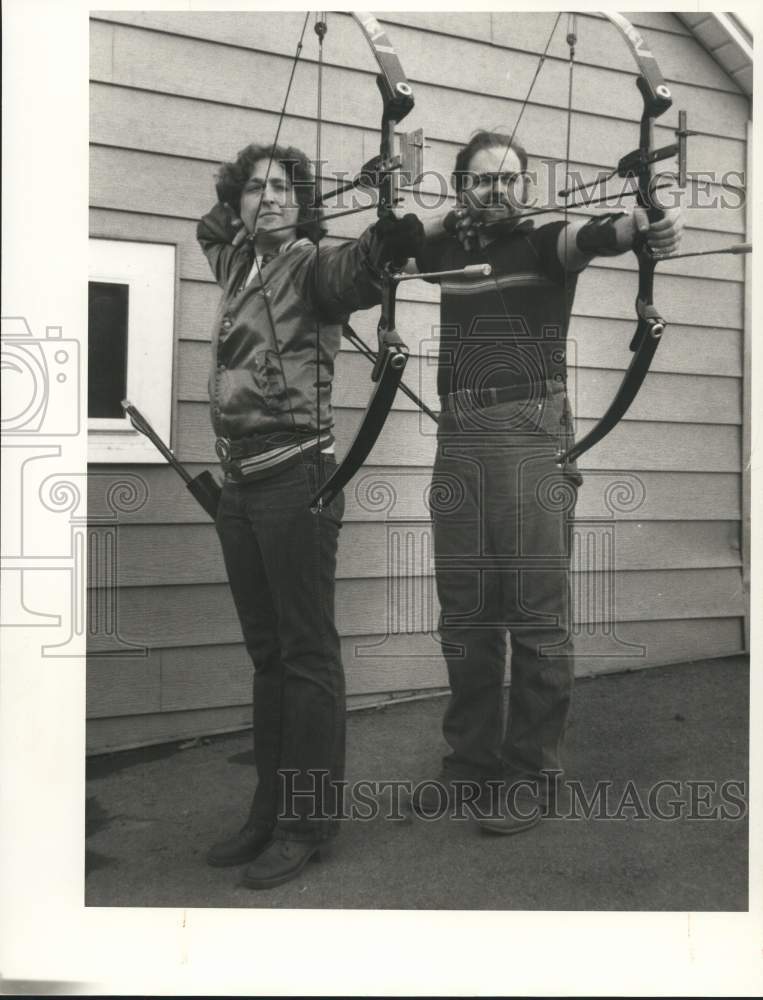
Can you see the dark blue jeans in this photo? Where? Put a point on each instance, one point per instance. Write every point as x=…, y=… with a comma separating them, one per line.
x=281, y=564
x=502, y=512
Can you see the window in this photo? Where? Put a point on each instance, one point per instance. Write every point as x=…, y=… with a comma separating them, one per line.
x=107, y=312
x=131, y=306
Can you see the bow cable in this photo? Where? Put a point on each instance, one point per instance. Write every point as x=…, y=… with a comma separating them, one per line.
x=251, y=238
x=572, y=39
x=321, y=27
x=538, y=68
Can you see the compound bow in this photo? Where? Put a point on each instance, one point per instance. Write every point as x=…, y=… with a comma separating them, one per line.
x=656, y=99
x=638, y=164
x=382, y=172
x=392, y=354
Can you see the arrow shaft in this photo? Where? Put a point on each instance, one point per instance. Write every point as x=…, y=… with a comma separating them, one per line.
x=737, y=248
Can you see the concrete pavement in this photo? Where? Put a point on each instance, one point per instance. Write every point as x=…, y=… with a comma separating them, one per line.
x=152, y=814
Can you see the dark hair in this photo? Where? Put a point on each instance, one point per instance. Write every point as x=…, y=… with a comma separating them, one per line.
x=484, y=140
x=231, y=178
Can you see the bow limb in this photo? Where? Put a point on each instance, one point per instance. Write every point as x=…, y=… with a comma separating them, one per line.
x=397, y=102
x=387, y=374
x=656, y=100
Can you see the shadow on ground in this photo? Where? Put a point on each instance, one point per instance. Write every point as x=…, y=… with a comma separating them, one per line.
x=152, y=814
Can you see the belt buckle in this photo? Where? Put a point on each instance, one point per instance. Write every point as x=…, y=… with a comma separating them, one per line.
x=222, y=448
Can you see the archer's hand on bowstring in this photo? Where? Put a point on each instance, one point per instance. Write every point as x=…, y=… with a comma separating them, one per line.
x=471, y=218
x=236, y=231
x=236, y=224
x=464, y=225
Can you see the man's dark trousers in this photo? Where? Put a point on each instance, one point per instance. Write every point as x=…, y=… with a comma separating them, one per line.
x=502, y=511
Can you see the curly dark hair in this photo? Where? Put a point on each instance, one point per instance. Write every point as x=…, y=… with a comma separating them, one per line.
x=484, y=140
x=232, y=176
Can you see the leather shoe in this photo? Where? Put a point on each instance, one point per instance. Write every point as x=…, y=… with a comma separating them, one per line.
x=281, y=861
x=244, y=846
x=434, y=799
x=508, y=813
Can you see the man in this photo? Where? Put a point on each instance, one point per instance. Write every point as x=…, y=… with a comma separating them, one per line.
x=501, y=505
x=276, y=335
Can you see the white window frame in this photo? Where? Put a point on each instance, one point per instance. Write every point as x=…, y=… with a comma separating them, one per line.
x=148, y=269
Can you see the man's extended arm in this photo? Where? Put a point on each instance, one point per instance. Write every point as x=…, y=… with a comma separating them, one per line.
x=581, y=240
x=610, y=235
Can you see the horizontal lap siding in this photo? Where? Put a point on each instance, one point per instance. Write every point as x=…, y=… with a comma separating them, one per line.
x=161, y=701
x=203, y=614
x=173, y=94
x=168, y=555
x=665, y=495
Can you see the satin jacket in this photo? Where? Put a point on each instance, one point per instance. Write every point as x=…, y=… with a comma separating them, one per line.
x=261, y=385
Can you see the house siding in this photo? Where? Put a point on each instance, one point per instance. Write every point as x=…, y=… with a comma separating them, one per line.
x=174, y=93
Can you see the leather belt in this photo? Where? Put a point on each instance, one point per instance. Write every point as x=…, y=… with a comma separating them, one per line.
x=226, y=449
x=469, y=399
